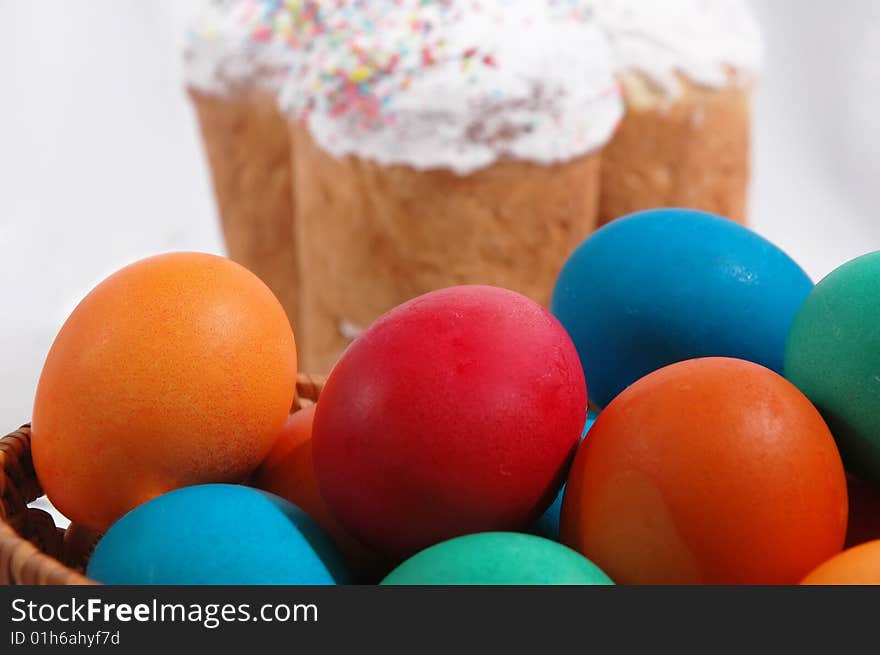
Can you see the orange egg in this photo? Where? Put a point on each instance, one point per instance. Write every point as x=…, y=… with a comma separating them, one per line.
x=177, y=370
x=859, y=565
x=715, y=471
x=289, y=472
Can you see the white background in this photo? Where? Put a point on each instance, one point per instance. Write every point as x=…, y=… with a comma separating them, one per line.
x=100, y=161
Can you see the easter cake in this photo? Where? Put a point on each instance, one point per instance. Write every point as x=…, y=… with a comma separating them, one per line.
x=432, y=149
x=687, y=69
x=419, y=144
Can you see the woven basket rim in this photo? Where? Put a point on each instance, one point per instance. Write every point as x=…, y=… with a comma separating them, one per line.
x=33, y=550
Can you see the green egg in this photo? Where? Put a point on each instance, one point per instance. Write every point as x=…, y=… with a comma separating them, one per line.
x=833, y=356
x=497, y=558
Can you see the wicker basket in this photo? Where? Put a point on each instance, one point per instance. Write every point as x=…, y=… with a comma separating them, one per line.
x=33, y=550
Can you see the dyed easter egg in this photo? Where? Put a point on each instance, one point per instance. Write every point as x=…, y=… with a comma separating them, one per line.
x=497, y=558
x=859, y=565
x=707, y=471
x=667, y=285
x=833, y=356
x=457, y=412
x=547, y=524
x=177, y=370
x=289, y=472
x=216, y=534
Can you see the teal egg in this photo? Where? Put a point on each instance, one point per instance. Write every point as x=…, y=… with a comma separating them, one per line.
x=216, y=534
x=833, y=357
x=666, y=285
x=497, y=558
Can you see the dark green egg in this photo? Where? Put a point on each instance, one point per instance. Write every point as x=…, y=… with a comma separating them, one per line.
x=833, y=356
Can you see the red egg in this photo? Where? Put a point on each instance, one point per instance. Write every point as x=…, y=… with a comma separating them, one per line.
x=457, y=412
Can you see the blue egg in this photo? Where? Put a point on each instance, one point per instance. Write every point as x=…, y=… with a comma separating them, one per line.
x=547, y=524
x=216, y=534
x=667, y=285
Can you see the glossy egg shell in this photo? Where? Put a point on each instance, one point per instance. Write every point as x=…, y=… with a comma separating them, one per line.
x=667, y=285
x=833, y=356
x=176, y=370
x=216, y=534
x=497, y=558
x=708, y=471
x=454, y=413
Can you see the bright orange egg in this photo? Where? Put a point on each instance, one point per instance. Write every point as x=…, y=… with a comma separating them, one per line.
x=859, y=565
x=177, y=370
x=714, y=471
x=289, y=472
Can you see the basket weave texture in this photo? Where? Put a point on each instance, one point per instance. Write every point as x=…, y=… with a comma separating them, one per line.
x=33, y=551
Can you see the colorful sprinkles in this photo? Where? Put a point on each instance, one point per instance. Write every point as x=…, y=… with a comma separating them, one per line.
x=369, y=41
x=375, y=65
x=288, y=22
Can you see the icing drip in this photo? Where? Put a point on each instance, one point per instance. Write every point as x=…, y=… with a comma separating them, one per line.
x=457, y=84
x=710, y=42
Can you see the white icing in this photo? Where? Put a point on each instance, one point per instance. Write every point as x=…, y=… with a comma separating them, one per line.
x=709, y=42
x=222, y=54
x=365, y=87
x=547, y=96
